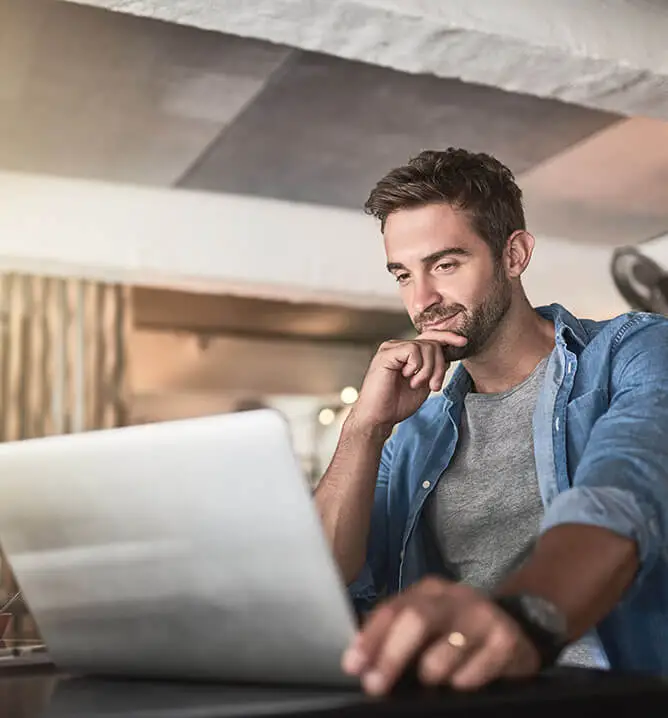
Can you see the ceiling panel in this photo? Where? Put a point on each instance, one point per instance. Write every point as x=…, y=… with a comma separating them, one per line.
x=611, y=189
x=90, y=93
x=324, y=130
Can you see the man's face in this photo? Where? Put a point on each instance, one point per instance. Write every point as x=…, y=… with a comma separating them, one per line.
x=447, y=275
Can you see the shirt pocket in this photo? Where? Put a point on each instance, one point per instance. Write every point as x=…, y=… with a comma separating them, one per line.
x=581, y=415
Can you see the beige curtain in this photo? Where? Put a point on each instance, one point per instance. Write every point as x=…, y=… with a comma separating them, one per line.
x=62, y=366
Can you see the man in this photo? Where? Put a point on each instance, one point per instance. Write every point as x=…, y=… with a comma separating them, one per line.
x=519, y=517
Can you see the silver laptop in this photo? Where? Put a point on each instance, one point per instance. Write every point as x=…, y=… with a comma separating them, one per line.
x=187, y=549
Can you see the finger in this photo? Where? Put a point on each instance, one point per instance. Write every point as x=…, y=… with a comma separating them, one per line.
x=488, y=663
x=424, y=375
x=448, y=338
x=410, y=356
x=364, y=649
x=441, y=660
x=440, y=369
x=406, y=636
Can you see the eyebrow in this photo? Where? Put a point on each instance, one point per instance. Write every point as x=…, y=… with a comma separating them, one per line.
x=433, y=258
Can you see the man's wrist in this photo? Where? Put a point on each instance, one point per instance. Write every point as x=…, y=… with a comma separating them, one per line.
x=368, y=430
x=540, y=621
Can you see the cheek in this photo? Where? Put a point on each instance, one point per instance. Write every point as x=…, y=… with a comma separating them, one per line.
x=406, y=296
x=468, y=287
x=456, y=288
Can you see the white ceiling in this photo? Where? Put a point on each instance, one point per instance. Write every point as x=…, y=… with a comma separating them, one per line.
x=605, y=54
x=89, y=93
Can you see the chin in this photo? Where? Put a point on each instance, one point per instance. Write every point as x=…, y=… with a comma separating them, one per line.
x=456, y=353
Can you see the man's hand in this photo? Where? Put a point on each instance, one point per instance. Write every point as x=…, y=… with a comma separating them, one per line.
x=454, y=634
x=400, y=377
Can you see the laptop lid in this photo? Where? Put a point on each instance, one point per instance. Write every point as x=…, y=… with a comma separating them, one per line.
x=187, y=549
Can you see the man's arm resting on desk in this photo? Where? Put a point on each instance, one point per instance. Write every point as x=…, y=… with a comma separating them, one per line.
x=461, y=637
x=597, y=539
x=583, y=570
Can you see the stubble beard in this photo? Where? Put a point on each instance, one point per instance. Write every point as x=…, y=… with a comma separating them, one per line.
x=479, y=324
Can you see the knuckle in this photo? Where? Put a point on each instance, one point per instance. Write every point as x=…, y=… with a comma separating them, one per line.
x=487, y=611
x=413, y=616
x=472, y=596
x=432, y=584
x=485, y=617
x=478, y=613
x=434, y=668
x=503, y=639
x=385, y=612
x=416, y=615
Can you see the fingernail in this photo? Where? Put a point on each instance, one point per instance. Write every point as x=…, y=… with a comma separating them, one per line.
x=374, y=683
x=353, y=661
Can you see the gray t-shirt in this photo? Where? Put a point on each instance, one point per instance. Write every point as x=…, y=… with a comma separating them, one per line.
x=486, y=510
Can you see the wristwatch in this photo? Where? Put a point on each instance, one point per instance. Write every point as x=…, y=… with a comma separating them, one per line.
x=542, y=623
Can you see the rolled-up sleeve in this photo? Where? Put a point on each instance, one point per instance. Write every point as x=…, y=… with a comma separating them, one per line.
x=370, y=584
x=621, y=482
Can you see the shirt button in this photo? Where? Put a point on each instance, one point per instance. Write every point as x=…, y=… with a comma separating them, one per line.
x=556, y=423
x=401, y=555
x=426, y=484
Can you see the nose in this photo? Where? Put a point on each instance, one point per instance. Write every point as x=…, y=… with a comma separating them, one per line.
x=424, y=295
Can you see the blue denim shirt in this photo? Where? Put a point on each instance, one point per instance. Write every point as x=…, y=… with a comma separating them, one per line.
x=601, y=447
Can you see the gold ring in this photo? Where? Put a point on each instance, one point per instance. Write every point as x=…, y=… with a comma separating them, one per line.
x=457, y=639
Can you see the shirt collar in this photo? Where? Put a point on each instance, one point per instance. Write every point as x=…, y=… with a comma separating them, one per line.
x=567, y=328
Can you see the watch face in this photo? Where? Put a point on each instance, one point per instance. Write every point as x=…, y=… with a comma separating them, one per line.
x=545, y=614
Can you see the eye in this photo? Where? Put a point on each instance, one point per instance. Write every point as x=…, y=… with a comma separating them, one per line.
x=446, y=266
x=401, y=278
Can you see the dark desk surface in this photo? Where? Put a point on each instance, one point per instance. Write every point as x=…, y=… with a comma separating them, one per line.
x=39, y=692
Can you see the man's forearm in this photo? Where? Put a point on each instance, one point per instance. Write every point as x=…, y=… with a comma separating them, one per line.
x=583, y=570
x=345, y=495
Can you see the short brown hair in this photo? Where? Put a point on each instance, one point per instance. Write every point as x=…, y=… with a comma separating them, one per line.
x=475, y=183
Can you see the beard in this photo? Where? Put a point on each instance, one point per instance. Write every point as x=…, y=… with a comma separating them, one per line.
x=477, y=324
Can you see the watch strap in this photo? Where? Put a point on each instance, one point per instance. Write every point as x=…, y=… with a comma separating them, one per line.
x=548, y=644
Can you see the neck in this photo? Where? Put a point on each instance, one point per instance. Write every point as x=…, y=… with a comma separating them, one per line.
x=519, y=343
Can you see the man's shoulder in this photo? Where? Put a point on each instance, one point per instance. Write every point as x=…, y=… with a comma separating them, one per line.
x=623, y=348
x=611, y=331
x=624, y=327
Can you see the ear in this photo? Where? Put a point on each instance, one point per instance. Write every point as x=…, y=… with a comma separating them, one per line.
x=517, y=256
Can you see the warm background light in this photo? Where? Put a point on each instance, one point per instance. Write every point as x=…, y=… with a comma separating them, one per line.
x=326, y=417
x=349, y=395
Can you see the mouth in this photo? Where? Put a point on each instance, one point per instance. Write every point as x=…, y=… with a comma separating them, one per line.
x=441, y=325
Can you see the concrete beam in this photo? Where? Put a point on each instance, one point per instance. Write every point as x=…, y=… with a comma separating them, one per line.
x=193, y=241
x=606, y=54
